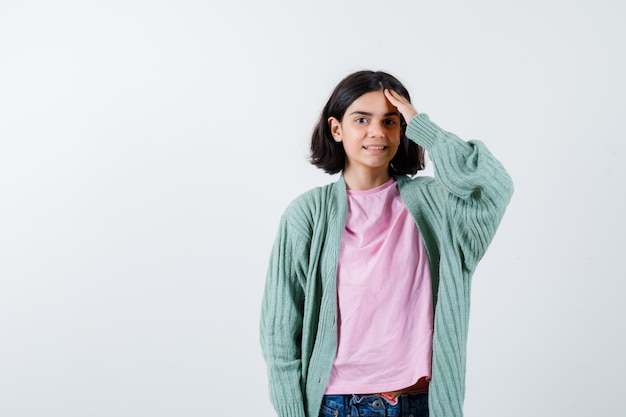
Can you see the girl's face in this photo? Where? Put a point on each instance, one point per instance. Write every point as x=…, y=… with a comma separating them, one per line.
x=370, y=132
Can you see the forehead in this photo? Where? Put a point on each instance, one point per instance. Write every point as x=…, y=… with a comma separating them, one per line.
x=373, y=102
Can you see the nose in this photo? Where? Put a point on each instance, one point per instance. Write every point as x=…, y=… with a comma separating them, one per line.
x=376, y=130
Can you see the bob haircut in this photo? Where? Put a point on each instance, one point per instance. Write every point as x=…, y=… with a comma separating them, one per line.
x=330, y=156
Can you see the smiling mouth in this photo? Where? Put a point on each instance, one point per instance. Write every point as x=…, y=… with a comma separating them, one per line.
x=375, y=148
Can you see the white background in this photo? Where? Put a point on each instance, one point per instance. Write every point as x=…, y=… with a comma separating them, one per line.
x=148, y=148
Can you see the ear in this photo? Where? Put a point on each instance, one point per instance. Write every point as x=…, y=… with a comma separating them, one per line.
x=335, y=129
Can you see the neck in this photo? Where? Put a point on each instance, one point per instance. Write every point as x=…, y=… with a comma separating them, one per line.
x=356, y=180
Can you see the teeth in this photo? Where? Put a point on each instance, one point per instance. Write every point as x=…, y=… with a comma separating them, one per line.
x=376, y=148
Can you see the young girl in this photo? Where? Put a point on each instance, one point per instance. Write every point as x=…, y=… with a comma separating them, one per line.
x=366, y=303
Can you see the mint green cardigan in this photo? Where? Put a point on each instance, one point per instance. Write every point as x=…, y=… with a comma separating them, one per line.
x=457, y=213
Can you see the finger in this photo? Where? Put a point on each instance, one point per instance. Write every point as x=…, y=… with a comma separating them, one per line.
x=401, y=103
x=392, y=97
x=395, y=95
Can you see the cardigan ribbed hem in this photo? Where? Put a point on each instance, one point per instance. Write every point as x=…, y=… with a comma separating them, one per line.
x=290, y=410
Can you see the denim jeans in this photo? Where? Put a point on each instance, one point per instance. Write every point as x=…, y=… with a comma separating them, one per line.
x=408, y=405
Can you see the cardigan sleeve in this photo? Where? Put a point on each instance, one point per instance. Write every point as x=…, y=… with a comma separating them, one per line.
x=475, y=185
x=281, y=321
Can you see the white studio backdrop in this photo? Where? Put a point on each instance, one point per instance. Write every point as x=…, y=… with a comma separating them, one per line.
x=148, y=148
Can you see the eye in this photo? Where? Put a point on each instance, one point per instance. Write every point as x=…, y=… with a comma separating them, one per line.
x=389, y=122
x=360, y=120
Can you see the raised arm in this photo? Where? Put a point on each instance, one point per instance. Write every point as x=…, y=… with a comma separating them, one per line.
x=478, y=187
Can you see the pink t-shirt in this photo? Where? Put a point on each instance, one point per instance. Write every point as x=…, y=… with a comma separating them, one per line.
x=384, y=297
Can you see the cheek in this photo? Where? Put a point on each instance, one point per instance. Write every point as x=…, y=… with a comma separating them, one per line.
x=398, y=137
x=397, y=144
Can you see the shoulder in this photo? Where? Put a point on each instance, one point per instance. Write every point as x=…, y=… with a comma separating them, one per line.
x=309, y=207
x=406, y=183
x=309, y=200
x=420, y=190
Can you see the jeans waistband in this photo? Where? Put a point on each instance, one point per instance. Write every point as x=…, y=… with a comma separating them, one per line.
x=376, y=404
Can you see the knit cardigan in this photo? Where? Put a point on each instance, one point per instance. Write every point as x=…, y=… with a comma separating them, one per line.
x=457, y=213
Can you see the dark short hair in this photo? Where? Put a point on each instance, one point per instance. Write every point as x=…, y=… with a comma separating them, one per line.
x=329, y=155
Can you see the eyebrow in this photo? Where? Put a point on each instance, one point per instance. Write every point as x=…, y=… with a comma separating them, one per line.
x=364, y=113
